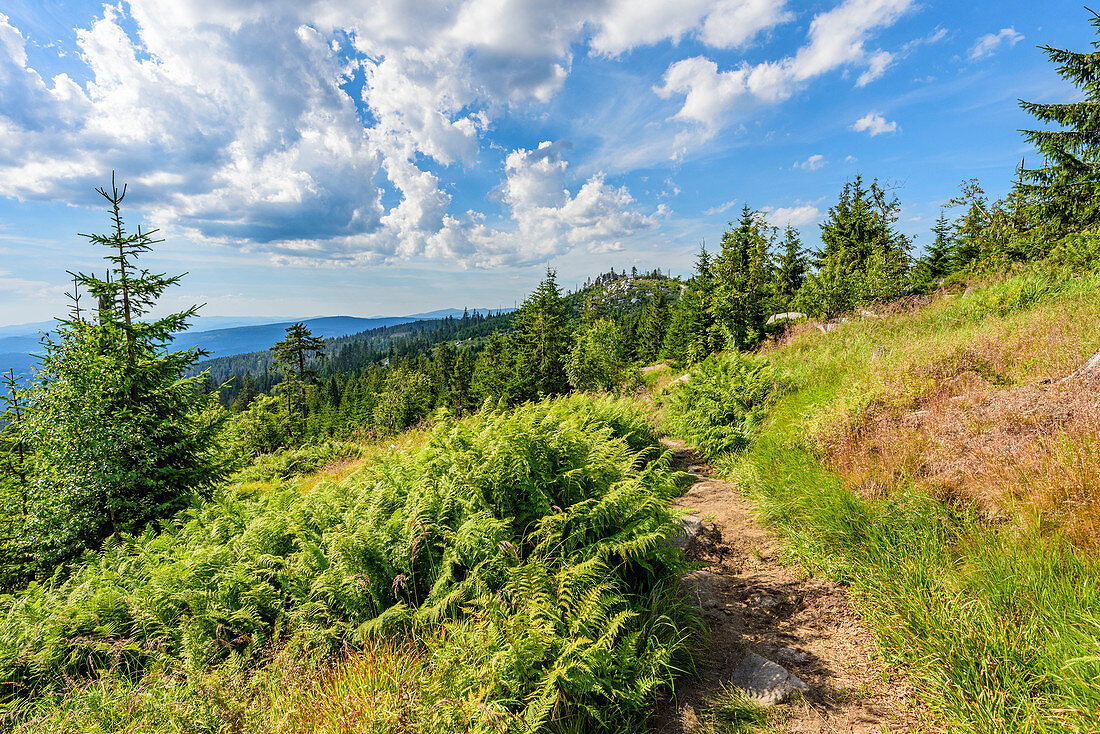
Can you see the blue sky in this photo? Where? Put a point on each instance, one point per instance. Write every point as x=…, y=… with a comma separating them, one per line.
x=392, y=156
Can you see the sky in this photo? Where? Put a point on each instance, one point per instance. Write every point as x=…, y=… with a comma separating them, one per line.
x=387, y=157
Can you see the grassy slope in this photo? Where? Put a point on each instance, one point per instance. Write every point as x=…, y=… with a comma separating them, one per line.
x=935, y=462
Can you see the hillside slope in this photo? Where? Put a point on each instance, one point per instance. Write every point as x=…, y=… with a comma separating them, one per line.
x=940, y=460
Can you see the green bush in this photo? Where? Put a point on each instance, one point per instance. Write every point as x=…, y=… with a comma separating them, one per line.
x=1078, y=253
x=299, y=460
x=721, y=406
x=598, y=360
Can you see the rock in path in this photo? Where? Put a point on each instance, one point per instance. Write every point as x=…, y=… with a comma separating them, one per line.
x=767, y=682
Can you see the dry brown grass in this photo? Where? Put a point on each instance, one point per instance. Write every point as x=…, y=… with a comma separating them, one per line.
x=973, y=434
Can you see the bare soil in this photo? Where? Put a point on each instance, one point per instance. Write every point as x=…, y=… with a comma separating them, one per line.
x=751, y=603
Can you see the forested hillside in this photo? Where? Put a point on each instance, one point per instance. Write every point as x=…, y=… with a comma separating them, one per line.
x=465, y=525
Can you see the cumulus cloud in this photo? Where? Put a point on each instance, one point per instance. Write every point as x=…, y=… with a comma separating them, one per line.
x=988, y=44
x=873, y=123
x=599, y=217
x=328, y=132
x=812, y=163
x=793, y=216
x=239, y=124
x=836, y=38
x=627, y=24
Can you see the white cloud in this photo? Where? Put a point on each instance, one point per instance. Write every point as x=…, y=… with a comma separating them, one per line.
x=836, y=38
x=874, y=124
x=628, y=24
x=935, y=36
x=794, y=216
x=707, y=92
x=720, y=208
x=988, y=44
x=877, y=65
x=550, y=220
x=236, y=122
x=812, y=163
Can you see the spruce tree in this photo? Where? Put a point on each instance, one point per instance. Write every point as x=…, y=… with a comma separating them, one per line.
x=652, y=327
x=118, y=435
x=791, y=269
x=938, y=261
x=294, y=355
x=702, y=335
x=494, y=372
x=742, y=274
x=1066, y=189
x=863, y=259
x=540, y=340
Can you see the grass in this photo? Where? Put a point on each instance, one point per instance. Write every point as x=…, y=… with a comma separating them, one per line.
x=732, y=711
x=933, y=461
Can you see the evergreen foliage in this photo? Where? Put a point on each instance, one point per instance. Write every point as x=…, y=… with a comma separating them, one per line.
x=1065, y=190
x=938, y=261
x=116, y=435
x=293, y=355
x=598, y=361
x=742, y=278
x=652, y=327
x=790, y=269
x=540, y=341
x=693, y=332
x=864, y=258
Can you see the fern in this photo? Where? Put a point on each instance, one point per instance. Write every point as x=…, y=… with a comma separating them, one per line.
x=531, y=541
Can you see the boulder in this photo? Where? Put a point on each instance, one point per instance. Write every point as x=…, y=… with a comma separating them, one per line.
x=786, y=316
x=682, y=378
x=767, y=682
x=691, y=527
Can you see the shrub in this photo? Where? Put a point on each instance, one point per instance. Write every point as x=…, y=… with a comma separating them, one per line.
x=720, y=408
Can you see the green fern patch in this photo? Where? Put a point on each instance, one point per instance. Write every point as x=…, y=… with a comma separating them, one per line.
x=536, y=537
x=721, y=406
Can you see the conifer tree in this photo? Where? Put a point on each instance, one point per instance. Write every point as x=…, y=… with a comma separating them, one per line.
x=652, y=326
x=494, y=372
x=938, y=261
x=1066, y=189
x=293, y=354
x=701, y=334
x=864, y=258
x=742, y=274
x=118, y=435
x=791, y=269
x=540, y=340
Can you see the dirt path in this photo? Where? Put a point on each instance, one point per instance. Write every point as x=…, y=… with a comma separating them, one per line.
x=752, y=604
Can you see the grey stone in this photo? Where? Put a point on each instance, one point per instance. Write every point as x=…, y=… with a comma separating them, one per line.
x=786, y=316
x=767, y=682
x=682, y=378
x=765, y=601
x=691, y=527
x=698, y=584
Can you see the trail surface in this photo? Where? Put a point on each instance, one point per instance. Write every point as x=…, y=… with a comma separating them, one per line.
x=752, y=604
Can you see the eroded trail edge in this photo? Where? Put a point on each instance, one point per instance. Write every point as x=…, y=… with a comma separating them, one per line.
x=751, y=603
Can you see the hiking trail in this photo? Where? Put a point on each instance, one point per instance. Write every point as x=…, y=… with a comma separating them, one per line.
x=751, y=603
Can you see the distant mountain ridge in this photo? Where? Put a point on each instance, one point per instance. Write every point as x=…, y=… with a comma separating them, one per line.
x=232, y=335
